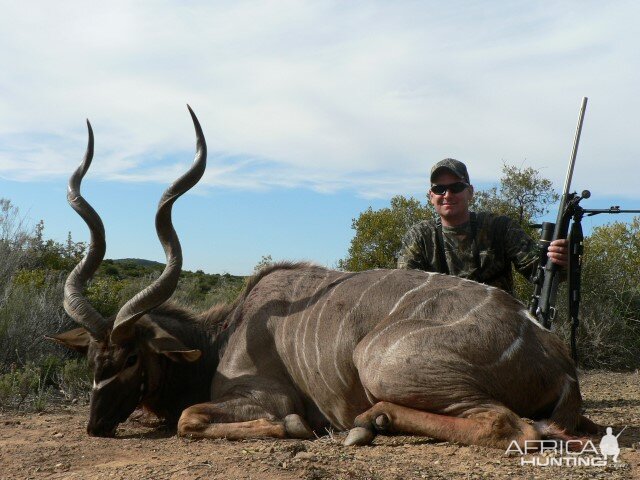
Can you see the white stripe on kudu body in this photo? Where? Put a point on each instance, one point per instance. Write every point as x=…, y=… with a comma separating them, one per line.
x=419, y=308
x=524, y=313
x=284, y=324
x=345, y=318
x=384, y=331
x=475, y=309
x=390, y=351
x=308, y=379
x=299, y=345
x=408, y=292
x=317, y=340
x=510, y=351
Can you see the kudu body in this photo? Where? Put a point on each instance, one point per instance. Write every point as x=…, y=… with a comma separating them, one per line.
x=304, y=348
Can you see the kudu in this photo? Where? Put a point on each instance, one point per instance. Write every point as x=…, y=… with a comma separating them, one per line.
x=304, y=348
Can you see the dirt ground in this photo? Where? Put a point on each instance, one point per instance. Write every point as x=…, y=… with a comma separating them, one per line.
x=55, y=445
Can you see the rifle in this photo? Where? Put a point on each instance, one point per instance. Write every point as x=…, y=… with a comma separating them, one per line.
x=547, y=275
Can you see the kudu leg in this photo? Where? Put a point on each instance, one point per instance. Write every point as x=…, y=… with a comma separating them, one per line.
x=492, y=426
x=212, y=420
x=589, y=427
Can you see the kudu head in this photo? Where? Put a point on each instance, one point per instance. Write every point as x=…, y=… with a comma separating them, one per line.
x=125, y=351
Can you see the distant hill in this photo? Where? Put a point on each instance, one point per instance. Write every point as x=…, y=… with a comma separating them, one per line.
x=197, y=289
x=139, y=261
x=136, y=267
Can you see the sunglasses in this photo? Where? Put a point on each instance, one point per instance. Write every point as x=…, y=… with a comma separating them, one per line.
x=452, y=187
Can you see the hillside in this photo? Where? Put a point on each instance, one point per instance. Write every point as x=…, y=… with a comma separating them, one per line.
x=117, y=280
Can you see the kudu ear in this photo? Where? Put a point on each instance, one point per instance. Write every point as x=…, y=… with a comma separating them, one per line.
x=77, y=339
x=164, y=343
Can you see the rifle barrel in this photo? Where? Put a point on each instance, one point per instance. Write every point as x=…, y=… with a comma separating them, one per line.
x=574, y=151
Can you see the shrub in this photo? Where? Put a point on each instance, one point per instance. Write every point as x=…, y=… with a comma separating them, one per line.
x=106, y=294
x=18, y=384
x=13, y=238
x=74, y=380
x=31, y=310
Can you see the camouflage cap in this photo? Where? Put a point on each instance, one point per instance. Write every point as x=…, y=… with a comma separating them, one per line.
x=456, y=167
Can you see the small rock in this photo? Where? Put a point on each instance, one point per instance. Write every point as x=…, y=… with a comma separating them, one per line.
x=58, y=435
x=304, y=456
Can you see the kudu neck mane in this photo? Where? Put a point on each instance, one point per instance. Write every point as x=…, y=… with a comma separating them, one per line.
x=225, y=318
x=215, y=325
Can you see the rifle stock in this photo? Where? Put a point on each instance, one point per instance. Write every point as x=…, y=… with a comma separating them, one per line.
x=543, y=301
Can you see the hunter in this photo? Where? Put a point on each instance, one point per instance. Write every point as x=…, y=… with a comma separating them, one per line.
x=479, y=246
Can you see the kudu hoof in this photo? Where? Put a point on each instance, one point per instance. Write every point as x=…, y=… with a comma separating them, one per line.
x=296, y=427
x=359, y=436
x=382, y=423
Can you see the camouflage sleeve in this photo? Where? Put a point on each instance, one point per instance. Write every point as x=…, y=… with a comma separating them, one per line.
x=522, y=250
x=412, y=253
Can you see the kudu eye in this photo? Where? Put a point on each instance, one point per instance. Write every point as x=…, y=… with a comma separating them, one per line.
x=131, y=360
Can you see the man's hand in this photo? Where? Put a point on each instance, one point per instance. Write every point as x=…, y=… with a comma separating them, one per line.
x=558, y=252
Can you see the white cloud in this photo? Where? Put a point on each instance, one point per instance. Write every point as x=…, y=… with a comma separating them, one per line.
x=318, y=94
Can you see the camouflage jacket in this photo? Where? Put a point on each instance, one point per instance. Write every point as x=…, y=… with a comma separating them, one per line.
x=500, y=243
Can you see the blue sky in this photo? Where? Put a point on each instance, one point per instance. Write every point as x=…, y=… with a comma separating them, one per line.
x=312, y=111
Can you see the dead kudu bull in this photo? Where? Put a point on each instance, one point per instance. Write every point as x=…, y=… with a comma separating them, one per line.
x=304, y=348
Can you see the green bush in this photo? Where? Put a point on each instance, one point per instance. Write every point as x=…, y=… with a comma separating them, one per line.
x=198, y=293
x=105, y=294
x=19, y=384
x=609, y=333
x=33, y=386
x=32, y=308
x=74, y=380
x=50, y=368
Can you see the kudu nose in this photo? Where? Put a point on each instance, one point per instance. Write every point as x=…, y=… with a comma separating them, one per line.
x=99, y=429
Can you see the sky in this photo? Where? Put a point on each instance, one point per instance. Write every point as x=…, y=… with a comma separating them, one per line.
x=312, y=111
